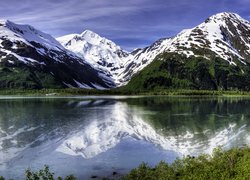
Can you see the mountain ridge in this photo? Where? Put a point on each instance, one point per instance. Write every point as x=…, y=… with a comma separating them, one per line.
x=183, y=43
x=88, y=60
x=212, y=37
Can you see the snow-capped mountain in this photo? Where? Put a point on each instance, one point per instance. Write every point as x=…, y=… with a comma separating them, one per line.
x=225, y=35
x=101, y=53
x=30, y=58
x=88, y=60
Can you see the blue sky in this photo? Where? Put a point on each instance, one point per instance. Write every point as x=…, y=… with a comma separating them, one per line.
x=129, y=23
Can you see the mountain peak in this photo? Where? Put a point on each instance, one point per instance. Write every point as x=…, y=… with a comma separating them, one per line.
x=4, y=21
x=88, y=38
x=27, y=34
x=225, y=34
x=224, y=16
x=95, y=39
x=11, y=25
x=89, y=33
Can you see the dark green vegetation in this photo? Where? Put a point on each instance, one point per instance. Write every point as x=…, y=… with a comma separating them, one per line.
x=174, y=71
x=26, y=78
x=231, y=164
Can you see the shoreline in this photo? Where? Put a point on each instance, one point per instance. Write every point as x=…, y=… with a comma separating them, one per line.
x=118, y=92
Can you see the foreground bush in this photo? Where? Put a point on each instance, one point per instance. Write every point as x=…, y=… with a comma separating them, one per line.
x=231, y=164
x=43, y=174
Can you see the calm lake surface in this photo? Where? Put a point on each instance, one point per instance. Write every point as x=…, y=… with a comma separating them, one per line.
x=88, y=136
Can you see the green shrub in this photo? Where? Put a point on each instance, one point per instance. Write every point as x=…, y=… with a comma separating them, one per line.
x=44, y=174
x=231, y=164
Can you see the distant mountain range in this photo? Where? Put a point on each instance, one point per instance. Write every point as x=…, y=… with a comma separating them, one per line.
x=212, y=55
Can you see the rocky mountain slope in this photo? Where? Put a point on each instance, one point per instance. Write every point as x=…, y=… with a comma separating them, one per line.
x=30, y=58
x=225, y=35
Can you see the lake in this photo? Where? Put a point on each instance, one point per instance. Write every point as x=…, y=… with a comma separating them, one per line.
x=98, y=135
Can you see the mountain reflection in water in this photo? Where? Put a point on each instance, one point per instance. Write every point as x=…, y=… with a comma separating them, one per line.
x=87, y=128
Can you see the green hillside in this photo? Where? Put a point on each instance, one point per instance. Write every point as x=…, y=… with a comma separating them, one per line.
x=175, y=71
